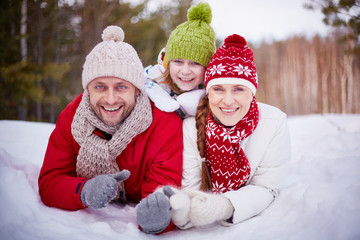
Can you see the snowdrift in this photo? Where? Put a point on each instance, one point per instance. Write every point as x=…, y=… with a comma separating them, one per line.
x=321, y=198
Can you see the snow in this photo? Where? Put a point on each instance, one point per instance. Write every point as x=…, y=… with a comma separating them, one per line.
x=320, y=199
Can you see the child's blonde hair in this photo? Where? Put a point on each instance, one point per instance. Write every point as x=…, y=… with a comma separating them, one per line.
x=166, y=78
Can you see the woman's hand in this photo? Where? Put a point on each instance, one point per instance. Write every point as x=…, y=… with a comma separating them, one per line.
x=197, y=208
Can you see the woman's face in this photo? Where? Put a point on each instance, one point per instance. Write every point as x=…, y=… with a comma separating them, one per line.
x=186, y=74
x=229, y=103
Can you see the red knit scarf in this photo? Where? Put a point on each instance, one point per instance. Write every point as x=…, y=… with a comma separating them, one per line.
x=230, y=168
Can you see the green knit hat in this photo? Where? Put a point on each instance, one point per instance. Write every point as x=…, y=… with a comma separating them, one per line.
x=193, y=39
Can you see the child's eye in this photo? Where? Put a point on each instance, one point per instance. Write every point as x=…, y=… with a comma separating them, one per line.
x=177, y=61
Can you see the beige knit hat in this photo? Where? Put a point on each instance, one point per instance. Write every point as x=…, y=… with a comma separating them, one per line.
x=113, y=58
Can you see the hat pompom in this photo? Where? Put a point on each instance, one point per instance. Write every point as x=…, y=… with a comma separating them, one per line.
x=201, y=12
x=235, y=41
x=114, y=33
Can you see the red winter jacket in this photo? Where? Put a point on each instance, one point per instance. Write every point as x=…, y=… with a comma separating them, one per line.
x=154, y=158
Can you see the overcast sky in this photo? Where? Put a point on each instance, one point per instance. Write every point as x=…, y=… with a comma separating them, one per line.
x=259, y=20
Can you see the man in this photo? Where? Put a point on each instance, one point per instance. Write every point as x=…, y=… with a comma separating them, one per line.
x=111, y=143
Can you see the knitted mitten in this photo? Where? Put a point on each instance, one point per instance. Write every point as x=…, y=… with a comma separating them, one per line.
x=189, y=100
x=208, y=208
x=160, y=97
x=180, y=204
x=100, y=190
x=153, y=213
x=196, y=208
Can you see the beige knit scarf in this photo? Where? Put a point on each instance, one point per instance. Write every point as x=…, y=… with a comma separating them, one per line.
x=97, y=155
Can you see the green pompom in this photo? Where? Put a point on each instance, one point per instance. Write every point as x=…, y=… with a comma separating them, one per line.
x=201, y=11
x=193, y=39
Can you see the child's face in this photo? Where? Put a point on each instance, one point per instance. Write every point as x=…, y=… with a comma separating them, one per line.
x=186, y=74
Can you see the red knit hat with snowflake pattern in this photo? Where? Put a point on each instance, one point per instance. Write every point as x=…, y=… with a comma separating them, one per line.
x=232, y=63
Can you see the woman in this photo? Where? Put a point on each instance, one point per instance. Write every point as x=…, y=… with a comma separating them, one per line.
x=235, y=149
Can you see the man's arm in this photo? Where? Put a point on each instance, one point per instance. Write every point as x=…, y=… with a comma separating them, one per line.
x=166, y=167
x=59, y=185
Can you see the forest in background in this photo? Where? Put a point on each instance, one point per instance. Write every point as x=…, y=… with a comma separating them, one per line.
x=303, y=76
x=44, y=44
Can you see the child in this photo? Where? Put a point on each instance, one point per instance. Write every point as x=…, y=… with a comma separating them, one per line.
x=176, y=83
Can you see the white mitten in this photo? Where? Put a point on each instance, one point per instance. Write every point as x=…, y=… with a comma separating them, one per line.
x=180, y=204
x=190, y=100
x=196, y=208
x=160, y=97
x=207, y=208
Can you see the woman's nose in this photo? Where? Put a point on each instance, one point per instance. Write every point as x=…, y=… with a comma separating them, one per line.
x=228, y=98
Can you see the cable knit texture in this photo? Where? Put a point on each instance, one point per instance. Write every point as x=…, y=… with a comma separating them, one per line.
x=113, y=57
x=193, y=39
x=207, y=208
x=196, y=208
x=180, y=204
x=97, y=155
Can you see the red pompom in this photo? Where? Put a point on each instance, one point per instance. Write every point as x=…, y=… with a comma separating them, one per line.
x=235, y=41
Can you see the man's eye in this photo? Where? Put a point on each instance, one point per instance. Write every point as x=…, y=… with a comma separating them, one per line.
x=99, y=87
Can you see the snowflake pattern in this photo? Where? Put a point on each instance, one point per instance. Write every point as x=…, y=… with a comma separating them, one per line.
x=230, y=168
x=210, y=129
x=217, y=69
x=220, y=188
x=229, y=134
x=242, y=70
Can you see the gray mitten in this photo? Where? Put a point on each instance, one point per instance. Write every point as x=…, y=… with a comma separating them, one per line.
x=100, y=190
x=153, y=213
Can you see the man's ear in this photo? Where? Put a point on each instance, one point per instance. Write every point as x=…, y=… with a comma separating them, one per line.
x=137, y=92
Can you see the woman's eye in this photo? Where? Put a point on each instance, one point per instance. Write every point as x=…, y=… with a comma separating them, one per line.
x=177, y=61
x=218, y=89
x=196, y=63
x=239, y=89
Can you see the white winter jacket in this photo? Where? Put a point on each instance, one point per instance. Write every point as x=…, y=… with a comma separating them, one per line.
x=268, y=151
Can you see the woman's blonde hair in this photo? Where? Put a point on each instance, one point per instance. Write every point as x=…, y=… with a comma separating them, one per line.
x=200, y=118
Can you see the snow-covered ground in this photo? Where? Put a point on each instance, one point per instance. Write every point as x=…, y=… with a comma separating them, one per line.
x=321, y=199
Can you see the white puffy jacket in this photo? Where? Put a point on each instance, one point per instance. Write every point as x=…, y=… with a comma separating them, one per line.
x=268, y=151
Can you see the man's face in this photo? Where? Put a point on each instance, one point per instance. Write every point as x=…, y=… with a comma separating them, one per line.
x=112, y=99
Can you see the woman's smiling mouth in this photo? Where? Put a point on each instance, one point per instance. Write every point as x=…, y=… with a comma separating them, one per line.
x=229, y=110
